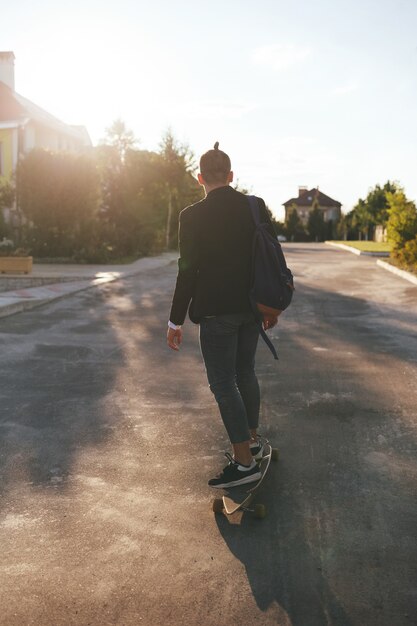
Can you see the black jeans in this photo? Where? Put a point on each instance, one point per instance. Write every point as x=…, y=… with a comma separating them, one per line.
x=228, y=344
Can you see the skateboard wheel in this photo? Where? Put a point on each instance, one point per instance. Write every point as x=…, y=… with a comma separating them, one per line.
x=218, y=505
x=260, y=511
x=274, y=454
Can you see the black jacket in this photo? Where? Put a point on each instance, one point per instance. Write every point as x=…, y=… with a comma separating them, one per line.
x=214, y=268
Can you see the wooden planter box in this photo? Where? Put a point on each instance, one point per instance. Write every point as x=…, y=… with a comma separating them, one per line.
x=11, y=264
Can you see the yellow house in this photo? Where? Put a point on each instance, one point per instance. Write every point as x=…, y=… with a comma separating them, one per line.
x=25, y=126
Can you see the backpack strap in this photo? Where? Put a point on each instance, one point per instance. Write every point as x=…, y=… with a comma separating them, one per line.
x=254, y=206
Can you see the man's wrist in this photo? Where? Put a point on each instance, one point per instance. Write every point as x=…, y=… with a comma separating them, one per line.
x=173, y=326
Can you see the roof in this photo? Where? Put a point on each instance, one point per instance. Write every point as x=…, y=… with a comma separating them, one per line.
x=10, y=108
x=309, y=196
x=19, y=110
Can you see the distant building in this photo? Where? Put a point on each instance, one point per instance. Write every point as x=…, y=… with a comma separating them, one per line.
x=25, y=126
x=304, y=204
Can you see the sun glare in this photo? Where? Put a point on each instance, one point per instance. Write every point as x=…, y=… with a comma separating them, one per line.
x=94, y=80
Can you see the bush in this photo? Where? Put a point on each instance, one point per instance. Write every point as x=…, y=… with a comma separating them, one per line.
x=407, y=256
x=402, y=221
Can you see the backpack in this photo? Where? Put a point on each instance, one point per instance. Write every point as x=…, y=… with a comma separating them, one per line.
x=272, y=283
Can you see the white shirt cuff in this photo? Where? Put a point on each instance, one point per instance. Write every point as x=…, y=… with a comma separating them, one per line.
x=173, y=326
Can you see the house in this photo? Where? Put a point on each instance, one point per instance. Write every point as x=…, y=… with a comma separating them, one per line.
x=25, y=126
x=305, y=202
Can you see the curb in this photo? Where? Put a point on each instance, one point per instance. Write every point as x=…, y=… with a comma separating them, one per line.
x=19, y=300
x=17, y=282
x=395, y=270
x=355, y=250
x=12, y=302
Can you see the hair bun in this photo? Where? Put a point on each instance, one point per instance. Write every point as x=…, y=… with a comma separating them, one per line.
x=216, y=145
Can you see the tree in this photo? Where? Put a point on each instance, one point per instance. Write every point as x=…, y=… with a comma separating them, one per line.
x=279, y=227
x=372, y=211
x=145, y=202
x=178, y=165
x=121, y=138
x=142, y=195
x=59, y=197
x=116, y=234
x=111, y=171
x=402, y=221
x=362, y=219
x=294, y=227
x=347, y=227
x=315, y=224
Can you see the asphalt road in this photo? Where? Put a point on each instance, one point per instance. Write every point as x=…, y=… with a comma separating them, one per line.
x=108, y=439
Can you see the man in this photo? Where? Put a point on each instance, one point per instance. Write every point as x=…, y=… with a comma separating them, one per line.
x=213, y=282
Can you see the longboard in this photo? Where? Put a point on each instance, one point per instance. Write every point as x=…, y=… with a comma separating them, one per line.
x=241, y=497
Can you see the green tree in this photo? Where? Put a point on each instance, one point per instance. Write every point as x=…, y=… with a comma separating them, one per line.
x=362, y=219
x=112, y=175
x=315, y=225
x=347, y=227
x=279, y=227
x=114, y=224
x=372, y=211
x=182, y=189
x=402, y=221
x=294, y=227
x=143, y=193
x=144, y=202
x=377, y=202
x=59, y=197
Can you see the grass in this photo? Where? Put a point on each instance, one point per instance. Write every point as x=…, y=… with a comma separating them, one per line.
x=367, y=246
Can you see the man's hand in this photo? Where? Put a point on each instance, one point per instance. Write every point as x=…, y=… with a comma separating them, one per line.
x=174, y=338
x=269, y=321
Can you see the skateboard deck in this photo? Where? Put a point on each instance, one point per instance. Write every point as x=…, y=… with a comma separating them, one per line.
x=241, y=497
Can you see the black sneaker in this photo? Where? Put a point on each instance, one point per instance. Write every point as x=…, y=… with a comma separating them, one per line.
x=235, y=474
x=257, y=448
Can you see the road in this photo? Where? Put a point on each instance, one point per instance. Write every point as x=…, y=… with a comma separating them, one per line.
x=108, y=439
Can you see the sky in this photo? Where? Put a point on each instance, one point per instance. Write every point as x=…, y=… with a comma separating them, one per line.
x=298, y=93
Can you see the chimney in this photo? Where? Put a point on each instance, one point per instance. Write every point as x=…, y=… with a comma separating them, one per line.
x=302, y=190
x=7, y=69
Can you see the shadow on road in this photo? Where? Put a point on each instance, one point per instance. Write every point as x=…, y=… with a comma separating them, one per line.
x=80, y=372
x=59, y=368
x=282, y=566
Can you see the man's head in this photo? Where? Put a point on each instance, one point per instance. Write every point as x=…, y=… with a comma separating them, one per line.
x=215, y=168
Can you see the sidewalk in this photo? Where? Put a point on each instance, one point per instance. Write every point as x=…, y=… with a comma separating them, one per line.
x=58, y=281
